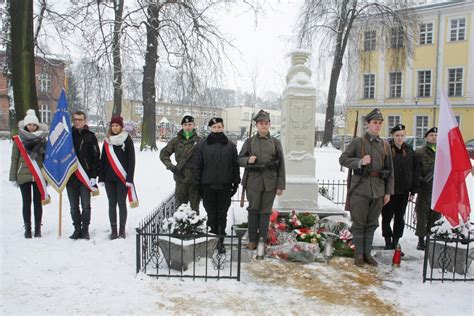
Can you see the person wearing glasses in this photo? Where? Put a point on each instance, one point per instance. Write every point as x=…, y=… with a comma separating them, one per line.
x=88, y=154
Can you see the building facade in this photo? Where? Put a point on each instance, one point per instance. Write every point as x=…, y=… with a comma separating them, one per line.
x=442, y=60
x=50, y=76
x=237, y=120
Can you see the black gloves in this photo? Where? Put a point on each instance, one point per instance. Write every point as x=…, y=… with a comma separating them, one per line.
x=234, y=189
x=174, y=169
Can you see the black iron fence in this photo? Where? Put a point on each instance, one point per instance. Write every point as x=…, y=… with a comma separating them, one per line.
x=161, y=254
x=448, y=259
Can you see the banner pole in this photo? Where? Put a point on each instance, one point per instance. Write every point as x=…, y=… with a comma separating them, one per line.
x=60, y=212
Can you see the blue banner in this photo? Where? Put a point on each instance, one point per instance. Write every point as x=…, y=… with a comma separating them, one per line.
x=60, y=161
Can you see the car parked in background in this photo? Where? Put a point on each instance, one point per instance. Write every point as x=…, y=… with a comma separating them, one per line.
x=415, y=142
x=470, y=148
x=339, y=140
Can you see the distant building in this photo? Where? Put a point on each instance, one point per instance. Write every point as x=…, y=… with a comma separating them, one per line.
x=49, y=82
x=237, y=119
x=443, y=59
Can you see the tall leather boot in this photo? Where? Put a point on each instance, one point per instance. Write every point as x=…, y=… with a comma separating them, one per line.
x=37, y=230
x=85, y=232
x=113, y=234
x=121, y=231
x=77, y=232
x=388, y=243
x=27, y=230
x=421, y=243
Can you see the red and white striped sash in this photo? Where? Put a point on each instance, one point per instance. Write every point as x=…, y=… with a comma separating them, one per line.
x=81, y=174
x=121, y=173
x=35, y=171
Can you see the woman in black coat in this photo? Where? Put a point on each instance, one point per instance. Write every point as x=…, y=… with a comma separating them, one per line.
x=406, y=174
x=116, y=184
x=216, y=171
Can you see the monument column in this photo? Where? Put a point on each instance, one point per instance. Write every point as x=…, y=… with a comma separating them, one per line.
x=297, y=136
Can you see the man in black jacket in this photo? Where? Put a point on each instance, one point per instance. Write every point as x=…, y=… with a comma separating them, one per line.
x=217, y=173
x=87, y=151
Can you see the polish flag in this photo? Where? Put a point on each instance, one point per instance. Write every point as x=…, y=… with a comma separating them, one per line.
x=452, y=165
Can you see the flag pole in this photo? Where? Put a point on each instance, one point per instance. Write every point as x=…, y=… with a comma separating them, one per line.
x=60, y=212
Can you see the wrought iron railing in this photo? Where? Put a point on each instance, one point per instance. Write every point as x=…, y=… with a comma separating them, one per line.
x=334, y=190
x=161, y=254
x=448, y=259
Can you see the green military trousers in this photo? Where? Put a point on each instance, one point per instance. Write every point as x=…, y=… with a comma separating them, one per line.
x=187, y=192
x=260, y=208
x=425, y=216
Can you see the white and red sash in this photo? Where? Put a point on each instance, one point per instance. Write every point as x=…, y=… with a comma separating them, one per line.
x=81, y=174
x=35, y=171
x=121, y=173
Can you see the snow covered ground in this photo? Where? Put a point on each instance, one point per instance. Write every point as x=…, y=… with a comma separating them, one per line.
x=55, y=275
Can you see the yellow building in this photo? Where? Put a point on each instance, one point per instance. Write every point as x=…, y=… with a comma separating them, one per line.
x=443, y=59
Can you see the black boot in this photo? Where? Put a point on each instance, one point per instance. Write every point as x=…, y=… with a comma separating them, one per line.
x=388, y=243
x=220, y=246
x=85, y=232
x=122, y=231
x=421, y=244
x=38, y=230
x=113, y=234
x=28, y=230
x=77, y=232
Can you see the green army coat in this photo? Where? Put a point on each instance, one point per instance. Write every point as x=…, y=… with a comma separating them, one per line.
x=180, y=146
x=426, y=159
x=267, y=149
x=381, y=159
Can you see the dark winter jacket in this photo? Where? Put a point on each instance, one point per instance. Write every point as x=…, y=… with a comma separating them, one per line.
x=180, y=147
x=125, y=152
x=405, y=169
x=87, y=151
x=215, y=161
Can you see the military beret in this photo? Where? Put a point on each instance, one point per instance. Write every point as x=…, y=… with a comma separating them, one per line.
x=215, y=120
x=187, y=119
x=398, y=127
x=375, y=114
x=431, y=130
x=262, y=116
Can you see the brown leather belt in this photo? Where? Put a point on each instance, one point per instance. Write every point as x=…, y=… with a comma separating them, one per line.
x=375, y=173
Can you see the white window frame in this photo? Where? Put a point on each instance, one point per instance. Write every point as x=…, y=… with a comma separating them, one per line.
x=456, y=83
x=394, y=87
x=203, y=113
x=44, y=82
x=370, y=87
x=424, y=83
x=390, y=126
x=425, y=33
x=45, y=113
x=457, y=29
x=160, y=110
x=396, y=37
x=178, y=111
x=168, y=111
x=139, y=109
x=423, y=129
x=370, y=43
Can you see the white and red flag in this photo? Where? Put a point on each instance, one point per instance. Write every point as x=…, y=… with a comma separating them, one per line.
x=452, y=165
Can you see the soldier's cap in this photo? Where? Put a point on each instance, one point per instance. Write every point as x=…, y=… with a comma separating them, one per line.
x=262, y=116
x=187, y=119
x=375, y=114
x=431, y=130
x=398, y=127
x=215, y=120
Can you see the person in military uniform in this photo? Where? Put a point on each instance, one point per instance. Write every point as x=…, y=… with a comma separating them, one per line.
x=425, y=216
x=264, y=177
x=217, y=172
x=406, y=173
x=371, y=185
x=183, y=147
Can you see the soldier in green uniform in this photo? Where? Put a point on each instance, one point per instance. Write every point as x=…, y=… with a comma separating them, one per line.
x=371, y=185
x=425, y=216
x=264, y=176
x=183, y=146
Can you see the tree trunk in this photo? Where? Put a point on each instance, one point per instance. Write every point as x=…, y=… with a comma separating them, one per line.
x=118, y=91
x=148, y=85
x=23, y=60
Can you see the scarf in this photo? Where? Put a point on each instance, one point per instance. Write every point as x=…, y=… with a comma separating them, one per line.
x=35, y=143
x=187, y=135
x=119, y=139
x=213, y=138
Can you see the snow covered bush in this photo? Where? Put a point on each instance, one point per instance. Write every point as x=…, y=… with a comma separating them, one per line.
x=185, y=222
x=443, y=229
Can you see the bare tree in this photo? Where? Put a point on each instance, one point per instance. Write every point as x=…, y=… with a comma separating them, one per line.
x=333, y=21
